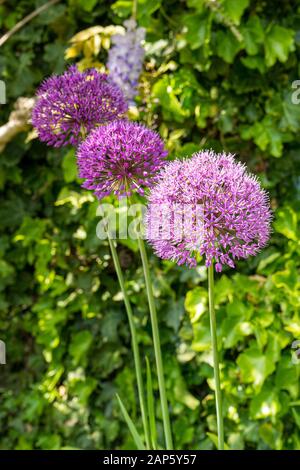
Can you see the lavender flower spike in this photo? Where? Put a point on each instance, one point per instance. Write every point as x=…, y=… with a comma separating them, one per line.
x=234, y=211
x=125, y=59
x=121, y=157
x=69, y=106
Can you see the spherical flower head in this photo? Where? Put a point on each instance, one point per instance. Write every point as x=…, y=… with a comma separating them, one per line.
x=70, y=105
x=209, y=205
x=121, y=158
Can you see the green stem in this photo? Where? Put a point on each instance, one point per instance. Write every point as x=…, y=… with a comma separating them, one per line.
x=213, y=331
x=135, y=347
x=157, y=348
x=134, y=9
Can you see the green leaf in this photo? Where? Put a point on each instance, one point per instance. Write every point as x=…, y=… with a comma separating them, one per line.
x=164, y=91
x=88, y=5
x=296, y=415
x=255, y=366
x=253, y=35
x=286, y=222
x=83, y=389
x=202, y=338
x=181, y=392
x=151, y=408
x=277, y=340
x=266, y=261
x=224, y=290
x=286, y=279
x=198, y=29
x=31, y=230
x=271, y=435
x=253, y=63
x=266, y=135
x=174, y=314
x=287, y=376
x=7, y=272
x=227, y=46
x=69, y=166
x=136, y=437
x=235, y=9
x=236, y=308
x=49, y=442
x=122, y=8
x=234, y=330
x=266, y=404
x=80, y=345
x=145, y=8
x=279, y=42
x=214, y=439
x=291, y=114
x=196, y=303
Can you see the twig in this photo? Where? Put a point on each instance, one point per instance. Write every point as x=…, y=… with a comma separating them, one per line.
x=26, y=20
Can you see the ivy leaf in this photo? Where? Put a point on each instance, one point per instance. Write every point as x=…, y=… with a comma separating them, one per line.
x=271, y=435
x=234, y=330
x=202, y=338
x=286, y=222
x=277, y=340
x=279, y=42
x=286, y=279
x=255, y=366
x=174, y=314
x=265, y=404
x=287, y=376
x=196, y=303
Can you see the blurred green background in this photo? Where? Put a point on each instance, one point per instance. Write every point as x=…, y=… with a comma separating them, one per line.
x=218, y=74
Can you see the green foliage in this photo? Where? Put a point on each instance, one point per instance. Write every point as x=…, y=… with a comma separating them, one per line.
x=217, y=74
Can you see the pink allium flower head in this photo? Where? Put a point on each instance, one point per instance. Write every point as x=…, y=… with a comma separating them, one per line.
x=227, y=212
x=121, y=157
x=70, y=105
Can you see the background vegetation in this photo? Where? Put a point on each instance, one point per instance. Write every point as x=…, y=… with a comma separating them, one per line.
x=217, y=74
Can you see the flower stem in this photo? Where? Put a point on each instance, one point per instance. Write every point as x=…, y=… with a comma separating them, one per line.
x=135, y=347
x=134, y=9
x=157, y=348
x=213, y=331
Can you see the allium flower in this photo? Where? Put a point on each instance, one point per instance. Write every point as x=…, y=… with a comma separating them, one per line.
x=125, y=59
x=70, y=105
x=227, y=212
x=120, y=158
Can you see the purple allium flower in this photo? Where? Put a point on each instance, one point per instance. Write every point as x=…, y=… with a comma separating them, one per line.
x=69, y=106
x=125, y=59
x=227, y=212
x=120, y=158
